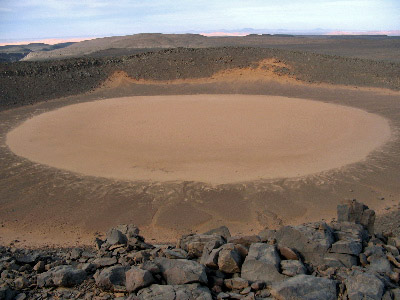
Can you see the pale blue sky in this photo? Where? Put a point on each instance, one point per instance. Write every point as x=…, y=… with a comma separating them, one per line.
x=22, y=19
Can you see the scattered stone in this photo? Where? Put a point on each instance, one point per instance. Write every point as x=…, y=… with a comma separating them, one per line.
x=21, y=283
x=39, y=267
x=65, y=276
x=305, y=287
x=181, y=271
x=356, y=212
x=175, y=292
x=236, y=283
x=137, y=279
x=311, y=240
x=111, y=277
x=114, y=237
x=194, y=243
x=292, y=267
x=220, y=231
x=364, y=286
x=262, y=263
x=338, y=260
x=105, y=261
x=229, y=260
x=244, y=240
x=347, y=247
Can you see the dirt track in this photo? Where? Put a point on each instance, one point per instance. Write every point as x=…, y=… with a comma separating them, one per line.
x=46, y=205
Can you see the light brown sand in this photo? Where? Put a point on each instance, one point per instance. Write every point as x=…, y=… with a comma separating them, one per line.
x=210, y=138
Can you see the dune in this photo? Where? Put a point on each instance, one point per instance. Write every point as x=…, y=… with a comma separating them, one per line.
x=209, y=138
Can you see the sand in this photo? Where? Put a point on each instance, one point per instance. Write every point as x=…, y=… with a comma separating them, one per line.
x=208, y=138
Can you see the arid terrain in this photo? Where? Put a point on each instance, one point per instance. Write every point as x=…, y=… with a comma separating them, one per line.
x=64, y=190
x=248, y=152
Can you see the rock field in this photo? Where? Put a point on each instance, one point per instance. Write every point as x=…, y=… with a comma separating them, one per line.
x=340, y=260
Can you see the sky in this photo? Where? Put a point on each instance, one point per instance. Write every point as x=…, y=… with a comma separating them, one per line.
x=36, y=19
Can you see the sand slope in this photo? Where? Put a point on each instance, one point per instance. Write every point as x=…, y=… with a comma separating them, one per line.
x=208, y=138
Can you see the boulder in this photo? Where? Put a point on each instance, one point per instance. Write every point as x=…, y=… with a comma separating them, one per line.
x=236, y=283
x=181, y=271
x=194, y=243
x=244, y=240
x=111, y=277
x=292, y=267
x=338, y=260
x=262, y=263
x=220, y=231
x=380, y=265
x=65, y=276
x=114, y=237
x=364, y=286
x=311, y=240
x=356, y=212
x=347, y=247
x=209, y=256
x=175, y=292
x=129, y=230
x=137, y=278
x=350, y=231
x=229, y=260
x=105, y=261
x=305, y=287
x=30, y=258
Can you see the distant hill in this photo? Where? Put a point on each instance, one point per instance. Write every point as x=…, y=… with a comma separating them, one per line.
x=13, y=53
x=383, y=48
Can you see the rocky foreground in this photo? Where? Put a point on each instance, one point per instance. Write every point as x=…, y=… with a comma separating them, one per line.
x=341, y=260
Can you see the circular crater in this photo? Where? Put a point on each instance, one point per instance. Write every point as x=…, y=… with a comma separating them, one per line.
x=209, y=138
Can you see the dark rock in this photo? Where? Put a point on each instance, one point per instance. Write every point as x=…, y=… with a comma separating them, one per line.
x=312, y=240
x=137, y=278
x=338, y=260
x=220, y=231
x=175, y=292
x=175, y=253
x=262, y=263
x=39, y=267
x=65, y=276
x=30, y=258
x=380, y=265
x=292, y=267
x=356, y=212
x=21, y=283
x=305, y=287
x=244, y=240
x=229, y=260
x=114, y=237
x=110, y=277
x=194, y=243
x=6, y=293
x=364, y=286
x=129, y=230
x=105, y=261
x=347, y=247
x=181, y=271
x=236, y=283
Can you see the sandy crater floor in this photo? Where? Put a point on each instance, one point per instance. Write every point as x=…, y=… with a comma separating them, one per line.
x=208, y=138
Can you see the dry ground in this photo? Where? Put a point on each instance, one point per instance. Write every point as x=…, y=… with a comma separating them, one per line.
x=45, y=205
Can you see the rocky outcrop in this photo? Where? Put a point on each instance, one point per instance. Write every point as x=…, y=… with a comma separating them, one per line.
x=340, y=260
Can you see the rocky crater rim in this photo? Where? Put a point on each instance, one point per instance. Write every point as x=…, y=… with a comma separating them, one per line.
x=209, y=138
